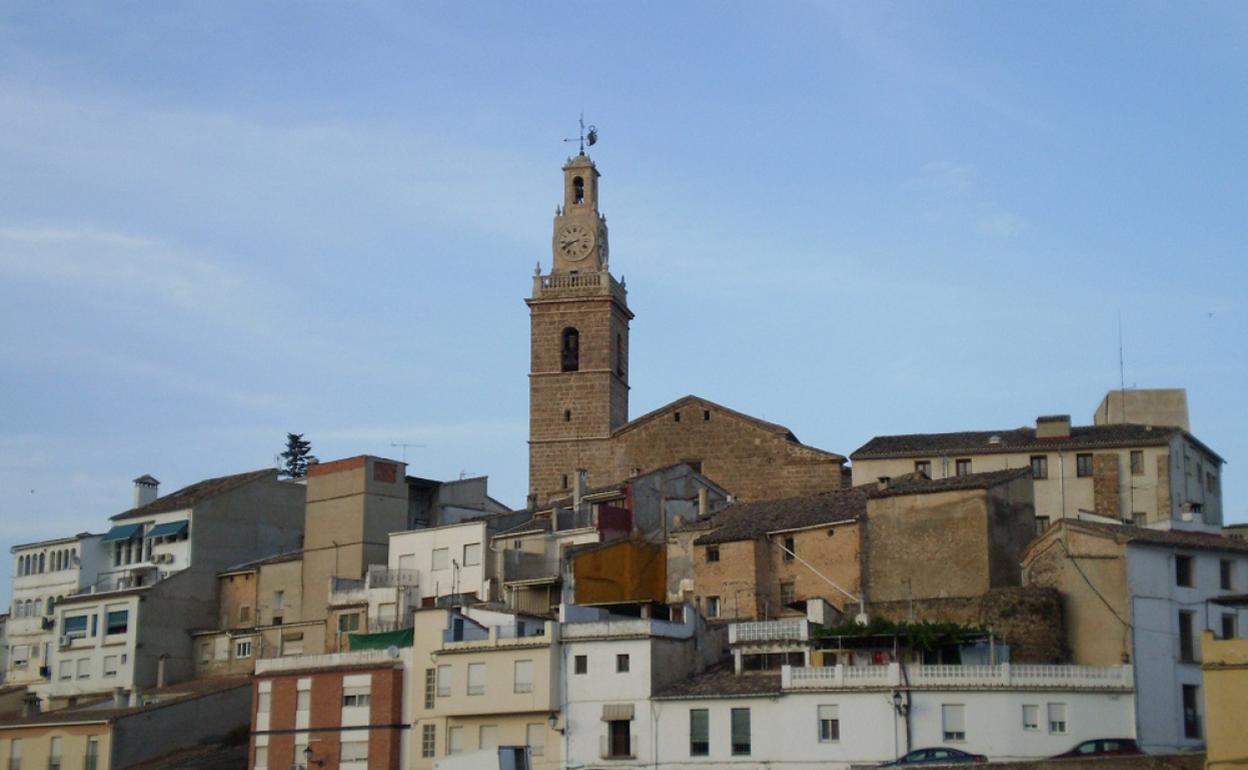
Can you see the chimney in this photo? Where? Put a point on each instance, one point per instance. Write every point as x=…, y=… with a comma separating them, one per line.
x=704, y=501
x=145, y=490
x=1053, y=426
x=30, y=704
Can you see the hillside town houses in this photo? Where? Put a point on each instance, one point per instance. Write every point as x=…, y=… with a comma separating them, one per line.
x=694, y=587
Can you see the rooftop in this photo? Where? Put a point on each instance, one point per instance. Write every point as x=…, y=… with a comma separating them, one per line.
x=918, y=484
x=1173, y=538
x=721, y=682
x=188, y=497
x=745, y=521
x=104, y=710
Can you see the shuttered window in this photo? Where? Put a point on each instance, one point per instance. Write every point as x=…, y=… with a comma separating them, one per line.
x=740, y=732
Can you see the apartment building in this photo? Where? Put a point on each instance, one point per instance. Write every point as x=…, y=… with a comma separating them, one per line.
x=1143, y=596
x=492, y=679
x=1140, y=473
x=43, y=574
x=1224, y=663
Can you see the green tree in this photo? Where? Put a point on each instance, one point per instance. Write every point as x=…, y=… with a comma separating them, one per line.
x=297, y=456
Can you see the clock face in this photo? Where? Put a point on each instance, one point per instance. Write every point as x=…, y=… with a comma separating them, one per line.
x=575, y=242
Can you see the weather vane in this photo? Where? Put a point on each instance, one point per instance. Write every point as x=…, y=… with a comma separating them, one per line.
x=589, y=137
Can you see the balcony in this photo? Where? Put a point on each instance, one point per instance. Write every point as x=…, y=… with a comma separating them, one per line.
x=769, y=631
x=136, y=576
x=624, y=747
x=385, y=577
x=939, y=677
x=523, y=566
x=562, y=285
x=625, y=627
x=346, y=592
x=327, y=660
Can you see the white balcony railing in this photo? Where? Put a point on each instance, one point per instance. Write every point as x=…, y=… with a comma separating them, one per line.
x=789, y=630
x=941, y=677
x=327, y=660
x=384, y=577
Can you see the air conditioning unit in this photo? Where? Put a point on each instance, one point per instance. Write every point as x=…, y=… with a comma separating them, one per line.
x=66, y=641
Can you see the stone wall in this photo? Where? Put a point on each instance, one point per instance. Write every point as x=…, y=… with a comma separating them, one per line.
x=1105, y=494
x=1028, y=619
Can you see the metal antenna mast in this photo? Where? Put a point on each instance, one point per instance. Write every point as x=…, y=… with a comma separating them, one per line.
x=405, y=447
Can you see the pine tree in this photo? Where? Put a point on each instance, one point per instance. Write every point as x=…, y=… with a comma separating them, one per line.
x=297, y=456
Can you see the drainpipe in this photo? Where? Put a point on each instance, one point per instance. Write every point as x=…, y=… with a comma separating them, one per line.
x=160, y=671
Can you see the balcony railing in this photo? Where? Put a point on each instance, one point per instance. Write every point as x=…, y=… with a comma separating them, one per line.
x=385, y=577
x=347, y=591
x=327, y=660
x=790, y=630
x=563, y=284
x=938, y=677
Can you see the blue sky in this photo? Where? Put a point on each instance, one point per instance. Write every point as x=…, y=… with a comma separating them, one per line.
x=221, y=222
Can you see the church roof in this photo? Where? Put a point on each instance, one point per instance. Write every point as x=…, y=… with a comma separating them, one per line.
x=698, y=401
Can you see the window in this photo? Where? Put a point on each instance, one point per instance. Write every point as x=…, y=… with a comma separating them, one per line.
x=535, y=737
x=444, y=681
x=1211, y=483
x=92, y=759
x=1187, y=641
x=699, y=733
x=1191, y=711
x=353, y=751
x=19, y=654
x=1137, y=462
x=15, y=754
x=441, y=558
x=706, y=415
x=962, y=467
x=1057, y=718
x=619, y=358
x=712, y=606
x=349, y=622
x=262, y=702
x=431, y=676
x=712, y=553
x=1040, y=466
x=454, y=740
x=1228, y=625
x=790, y=548
x=621, y=663
x=242, y=649
x=1031, y=717
x=117, y=622
x=67, y=669
x=829, y=723
x=244, y=614
x=110, y=665
x=487, y=737
x=279, y=600
x=953, y=721
x=740, y=732
x=788, y=593
x=472, y=554
x=355, y=697
x=476, y=679
x=84, y=668
x=675, y=416
x=1042, y=523
x=54, y=753
x=924, y=467
x=580, y=664
x=303, y=700
x=1226, y=574
x=570, y=350
x=1183, y=571
x=523, y=676
x=428, y=740
x=262, y=757
x=1083, y=465
x=74, y=626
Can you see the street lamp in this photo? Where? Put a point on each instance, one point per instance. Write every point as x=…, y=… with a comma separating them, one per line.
x=900, y=704
x=307, y=756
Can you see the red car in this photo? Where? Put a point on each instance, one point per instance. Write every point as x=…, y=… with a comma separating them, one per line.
x=1103, y=747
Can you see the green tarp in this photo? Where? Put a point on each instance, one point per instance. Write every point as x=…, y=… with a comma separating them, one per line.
x=381, y=641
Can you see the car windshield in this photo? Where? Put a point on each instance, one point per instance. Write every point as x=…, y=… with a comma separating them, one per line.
x=1087, y=747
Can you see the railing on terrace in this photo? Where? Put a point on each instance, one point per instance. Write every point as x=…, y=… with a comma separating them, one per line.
x=1005, y=675
x=506, y=636
x=385, y=577
x=568, y=519
x=136, y=576
x=788, y=630
x=589, y=629
x=565, y=283
x=379, y=625
x=347, y=591
x=326, y=660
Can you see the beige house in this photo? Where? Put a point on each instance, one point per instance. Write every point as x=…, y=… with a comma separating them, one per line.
x=490, y=679
x=1225, y=668
x=1125, y=472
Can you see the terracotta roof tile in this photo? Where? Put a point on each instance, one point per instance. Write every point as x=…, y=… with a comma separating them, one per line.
x=722, y=682
x=744, y=521
x=197, y=493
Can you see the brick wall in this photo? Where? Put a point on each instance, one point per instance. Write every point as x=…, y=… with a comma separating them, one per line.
x=1106, y=498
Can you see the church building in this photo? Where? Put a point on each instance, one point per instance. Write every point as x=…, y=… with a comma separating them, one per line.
x=578, y=384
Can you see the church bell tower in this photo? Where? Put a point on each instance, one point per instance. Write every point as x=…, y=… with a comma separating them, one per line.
x=578, y=370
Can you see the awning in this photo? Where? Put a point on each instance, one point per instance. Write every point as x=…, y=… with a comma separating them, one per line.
x=386, y=639
x=168, y=529
x=613, y=712
x=123, y=532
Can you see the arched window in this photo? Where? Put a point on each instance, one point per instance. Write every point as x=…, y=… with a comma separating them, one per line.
x=570, y=351
x=43, y=562
x=56, y=561
x=578, y=190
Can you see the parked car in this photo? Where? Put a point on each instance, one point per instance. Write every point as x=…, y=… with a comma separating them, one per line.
x=939, y=755
x=1103, y=747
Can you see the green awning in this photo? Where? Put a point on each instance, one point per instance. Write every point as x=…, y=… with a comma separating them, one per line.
x=381, y=641
x=168, y=529
x=124, y=532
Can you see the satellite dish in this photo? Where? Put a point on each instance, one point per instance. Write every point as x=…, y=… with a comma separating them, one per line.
x=591, y=138
x=392, y=651
x=861, y=619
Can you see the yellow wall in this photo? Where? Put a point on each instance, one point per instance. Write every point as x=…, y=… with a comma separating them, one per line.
x=1226, y=700
x=36, y=742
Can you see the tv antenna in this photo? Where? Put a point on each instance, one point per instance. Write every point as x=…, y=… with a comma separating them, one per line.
x=587, y=136
x=405, y=447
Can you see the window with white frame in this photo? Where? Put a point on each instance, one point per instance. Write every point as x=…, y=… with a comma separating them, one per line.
x=74, y=626
x=67, y=669
x=242, y=649
x=1057, y=718
x=262, y=757
x=476, y=679
x=428, y=740
x=441, y=558
x=118, y=621
x=444, y=681
x=535, y=737
x=472, y=554
x=19, y=654
x=354, y=751
x=84, y=668
x=303, y=699
x=355, y=697
x=54, y=752
x=953, y=721
x=829, y=723
x=1031, y=716
x=455, y=740
x=712, y=606
x=110, y=665
x=523, y=676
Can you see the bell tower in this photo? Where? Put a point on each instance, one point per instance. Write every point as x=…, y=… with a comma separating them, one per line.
x=578, y=366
